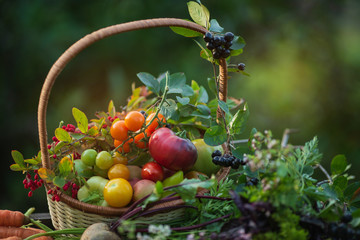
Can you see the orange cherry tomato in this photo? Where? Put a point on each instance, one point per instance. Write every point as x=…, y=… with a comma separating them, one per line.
x=155, y=123
x=119, y=171
x=134, y=120
x=118, y=192
x=118, y=158
x=119, y=131
x=125, y=148
x=140, y=141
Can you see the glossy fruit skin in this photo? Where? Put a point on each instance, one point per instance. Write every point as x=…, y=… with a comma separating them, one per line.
x=155, y=123
x=134, y=120
x=119, y=131
x=140, y=141
x=118, y=192
x=152, y=171
x=175, y=179
x=118, y=171
x=83, y=170
x=204, y=162
x=95, y=186
x=143, y=188
x=104, y=160
x=125, y=148
x=118, y=158
x=171, y=151
x=88, y=157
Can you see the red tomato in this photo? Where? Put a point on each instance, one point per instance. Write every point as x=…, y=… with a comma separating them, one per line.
x=152, y=171
x=171, y=151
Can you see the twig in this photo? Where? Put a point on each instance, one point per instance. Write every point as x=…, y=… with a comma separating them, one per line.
x=286, y=136
x=325, y=172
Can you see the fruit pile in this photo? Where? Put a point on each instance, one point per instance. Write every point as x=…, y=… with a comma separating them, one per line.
x=118, y=158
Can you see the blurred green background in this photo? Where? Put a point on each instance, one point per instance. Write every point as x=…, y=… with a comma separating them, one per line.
x=303, y=58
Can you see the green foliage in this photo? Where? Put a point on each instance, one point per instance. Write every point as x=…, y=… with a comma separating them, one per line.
x=288, y=224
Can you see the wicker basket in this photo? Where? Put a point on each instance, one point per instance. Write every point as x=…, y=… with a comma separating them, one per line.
x=69, y=212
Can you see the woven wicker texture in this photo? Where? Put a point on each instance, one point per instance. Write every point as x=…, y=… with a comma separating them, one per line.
x=70, y=212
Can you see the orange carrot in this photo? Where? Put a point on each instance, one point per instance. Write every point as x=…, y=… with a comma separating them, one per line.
x=11, y=238
x=23, y=233
x=12, y=218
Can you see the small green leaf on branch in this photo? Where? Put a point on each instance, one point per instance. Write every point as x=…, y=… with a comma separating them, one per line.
x=81, y=120
x=215, y=135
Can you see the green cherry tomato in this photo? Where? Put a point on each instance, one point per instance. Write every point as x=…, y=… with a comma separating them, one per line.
x=204, y=162
x=104, y=160
x=83, y=170
x=88, y=157
x=93, y=191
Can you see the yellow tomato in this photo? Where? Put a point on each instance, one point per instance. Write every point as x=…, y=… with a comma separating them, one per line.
x=119, y=171
x=118, y=192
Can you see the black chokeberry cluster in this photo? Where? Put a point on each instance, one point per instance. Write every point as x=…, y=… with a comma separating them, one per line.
x=226, y=160
x=219, y=45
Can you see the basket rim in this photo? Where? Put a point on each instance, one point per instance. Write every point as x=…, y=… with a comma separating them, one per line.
x=78, y=47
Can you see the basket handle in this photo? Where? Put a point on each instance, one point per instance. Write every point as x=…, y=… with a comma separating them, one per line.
x=89, y=39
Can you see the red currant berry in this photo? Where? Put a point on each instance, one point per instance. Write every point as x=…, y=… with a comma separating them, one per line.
x=30, y=194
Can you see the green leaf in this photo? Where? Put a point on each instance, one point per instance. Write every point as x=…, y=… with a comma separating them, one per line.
x=341, y=182
x=314, y=193
x=240, y=151
x=59, y=181
x=195, y=85
x=204, y=109
x=63, y=135
x=338, y=164
x=188, y=188
x=212, y=85
x=215, y=26
x=223, y=106
x=61, y=145
x=16, y=167
x=238, y=122
x=18, y=158
x=32, y=161
x=351, y=189
x=203, y=96
x=168, y=108
x=176, y=82
x=186, y=32
x=215, y=135
x=206, y=54
x=149, y=81
x=199, y=13
x=183, y=101
x=236, y=53
x=187, y=91
x=65, y=166
x=81, y=120
x=238, y=43
x=111, y=109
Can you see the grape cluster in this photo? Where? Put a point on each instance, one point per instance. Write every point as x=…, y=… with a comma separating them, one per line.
x=226, y=160
x=31, y=184
x=219, y=45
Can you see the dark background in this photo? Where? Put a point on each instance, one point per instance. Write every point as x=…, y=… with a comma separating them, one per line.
x=303, y=58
